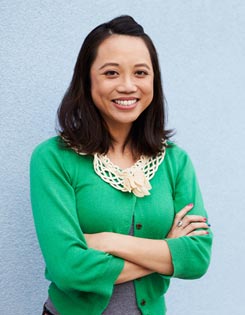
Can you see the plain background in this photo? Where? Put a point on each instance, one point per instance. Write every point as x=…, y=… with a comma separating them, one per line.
x=201, y=46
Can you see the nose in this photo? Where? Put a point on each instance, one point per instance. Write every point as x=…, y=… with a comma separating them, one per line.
x=127, y=85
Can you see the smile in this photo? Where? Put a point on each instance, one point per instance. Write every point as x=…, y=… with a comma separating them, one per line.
x=126, y=102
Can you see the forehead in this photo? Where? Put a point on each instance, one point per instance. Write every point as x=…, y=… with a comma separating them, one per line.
x=123, y=48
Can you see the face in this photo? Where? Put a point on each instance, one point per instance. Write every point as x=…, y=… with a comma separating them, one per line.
x=122, y=80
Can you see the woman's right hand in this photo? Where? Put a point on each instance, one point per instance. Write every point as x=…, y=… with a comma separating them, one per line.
x=188, y=225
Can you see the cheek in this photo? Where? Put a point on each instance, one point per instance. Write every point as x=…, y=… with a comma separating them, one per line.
x=100, y=90
x=97, y=95
x=148, y=85
x=148, y=90
x=100, y=96
x=94, y=93
x=96, y=86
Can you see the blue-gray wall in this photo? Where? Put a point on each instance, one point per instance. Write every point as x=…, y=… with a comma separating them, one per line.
x=201, y=46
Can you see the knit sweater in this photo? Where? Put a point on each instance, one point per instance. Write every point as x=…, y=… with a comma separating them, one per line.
x=69, y=199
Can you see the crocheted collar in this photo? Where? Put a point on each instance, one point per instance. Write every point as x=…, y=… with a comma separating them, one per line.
x=134, y=179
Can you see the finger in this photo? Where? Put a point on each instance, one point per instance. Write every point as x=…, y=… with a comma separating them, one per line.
x=195, y=226
x=182, y=213
x=193, y=218
x=199, y=232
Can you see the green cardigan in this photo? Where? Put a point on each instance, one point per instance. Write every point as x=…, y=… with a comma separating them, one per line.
x=69, y=199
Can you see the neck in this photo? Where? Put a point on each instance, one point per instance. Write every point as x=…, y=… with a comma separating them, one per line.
x=120, y=134
x=121, y=154
x=122, y=157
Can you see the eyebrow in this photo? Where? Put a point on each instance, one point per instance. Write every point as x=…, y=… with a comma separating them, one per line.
x=114, y=64
x=143, y=65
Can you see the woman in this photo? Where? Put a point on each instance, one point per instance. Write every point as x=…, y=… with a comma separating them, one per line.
x=117, y=207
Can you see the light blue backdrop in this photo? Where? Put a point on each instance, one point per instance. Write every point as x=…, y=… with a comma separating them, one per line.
x=201, y=47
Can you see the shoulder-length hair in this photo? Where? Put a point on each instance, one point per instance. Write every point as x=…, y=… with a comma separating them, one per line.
x=81, y=124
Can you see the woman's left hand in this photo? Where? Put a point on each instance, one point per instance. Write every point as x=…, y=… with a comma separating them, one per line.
x=188, y=225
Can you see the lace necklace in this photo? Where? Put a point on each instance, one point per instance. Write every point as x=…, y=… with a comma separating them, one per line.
x=134, y=179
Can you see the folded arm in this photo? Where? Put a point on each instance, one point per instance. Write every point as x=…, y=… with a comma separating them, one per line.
x=186, y=250
x=147, y=255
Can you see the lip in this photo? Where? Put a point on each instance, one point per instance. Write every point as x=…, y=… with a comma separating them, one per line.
x=125, y=103
x=125, y=98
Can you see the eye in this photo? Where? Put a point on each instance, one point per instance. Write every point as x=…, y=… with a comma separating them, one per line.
x=111, y=73
x=141, y=73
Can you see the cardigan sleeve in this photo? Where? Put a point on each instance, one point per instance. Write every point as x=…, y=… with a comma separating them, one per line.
x=70, y=264
x=190, y=254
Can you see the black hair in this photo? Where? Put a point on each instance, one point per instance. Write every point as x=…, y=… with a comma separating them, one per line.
x=81, y=124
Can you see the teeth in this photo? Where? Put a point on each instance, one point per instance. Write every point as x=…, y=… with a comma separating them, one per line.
x=125, y=103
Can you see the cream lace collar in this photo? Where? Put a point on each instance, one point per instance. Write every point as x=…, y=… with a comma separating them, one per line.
x=134, y=179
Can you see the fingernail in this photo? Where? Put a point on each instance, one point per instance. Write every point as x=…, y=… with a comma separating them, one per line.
x=204, y=219
x=209, y=225
x=207, y=232
x=190, y=205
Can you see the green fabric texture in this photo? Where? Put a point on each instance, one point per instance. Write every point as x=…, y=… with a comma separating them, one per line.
x=69, y=199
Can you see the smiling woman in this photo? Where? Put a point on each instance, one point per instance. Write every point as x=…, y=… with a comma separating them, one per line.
x=79, y=118
x=117, y=206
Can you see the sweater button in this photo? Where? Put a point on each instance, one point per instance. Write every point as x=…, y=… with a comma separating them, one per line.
x=138, y=226
x=143, y=302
